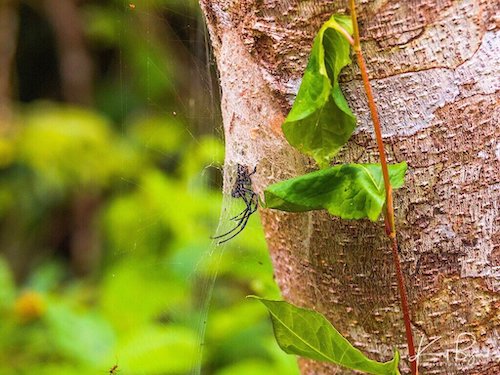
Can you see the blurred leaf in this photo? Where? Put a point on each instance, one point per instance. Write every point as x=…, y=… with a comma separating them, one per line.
x=132, y=225
x=158, y=183
x=134, y=280
x=249, y=367
x=160, y=211
x=78, y=148
x=187, y=213
x=238, y=316
x=248, y=342
x=84, y=337
x=6, y=199
x=285, y=364
x=247, y=257
x=7, y=152
x=158, y=350
x=202, y=161
x=7, y=287
x=153, y=73
x=102, y=25
x=62, y=368
x=161, y=135
x=47, y=277
x=309, y=334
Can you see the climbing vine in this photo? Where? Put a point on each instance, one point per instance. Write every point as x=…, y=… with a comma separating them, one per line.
x=319, y=124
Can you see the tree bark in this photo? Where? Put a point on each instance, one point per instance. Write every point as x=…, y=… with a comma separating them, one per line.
x=434, y=66
x=74, y=59
x=8, y=42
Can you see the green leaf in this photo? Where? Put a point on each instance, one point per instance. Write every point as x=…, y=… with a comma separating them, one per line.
x=350, y=191
x=309, y=334
x=320, y=121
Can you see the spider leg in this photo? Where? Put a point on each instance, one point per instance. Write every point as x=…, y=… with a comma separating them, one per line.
x=242, y=226
x=254, y=208
x=249, y=202
x=247, y=190
x=251, y=207
x=237, y=217
x=243, y=222
x=242, y=189
x=245, y=213
x=254, y=203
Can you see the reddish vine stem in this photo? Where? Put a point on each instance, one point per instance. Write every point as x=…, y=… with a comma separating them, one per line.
x=389, y=211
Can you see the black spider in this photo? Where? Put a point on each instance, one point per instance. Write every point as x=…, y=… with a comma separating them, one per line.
x=242, y=189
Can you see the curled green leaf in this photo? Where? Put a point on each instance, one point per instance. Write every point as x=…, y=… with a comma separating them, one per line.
x=350, y=191
x=309, y=334
x=320, y=121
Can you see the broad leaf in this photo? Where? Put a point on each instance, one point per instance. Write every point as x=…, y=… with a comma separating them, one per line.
x=320, y=121
x=350, y=191
x=309, y=334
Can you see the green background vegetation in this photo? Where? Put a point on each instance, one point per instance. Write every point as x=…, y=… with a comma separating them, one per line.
x=106, y=209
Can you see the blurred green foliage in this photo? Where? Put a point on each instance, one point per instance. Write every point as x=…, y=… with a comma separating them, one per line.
x=106, y=212
x=138, y=308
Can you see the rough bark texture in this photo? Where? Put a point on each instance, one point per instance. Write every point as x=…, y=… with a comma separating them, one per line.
x=434, y=65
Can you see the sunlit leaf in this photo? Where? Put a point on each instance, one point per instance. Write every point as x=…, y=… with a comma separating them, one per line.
x=160, y=135
x=309, y=334
x=79, y=149
x=159, y=350
x=128, y=282
x=350, y=191
x=248, y=367
x=7, y=286
x=320, y=121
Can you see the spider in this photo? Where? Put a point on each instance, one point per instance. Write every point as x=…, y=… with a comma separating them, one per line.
x=242, y=189
x=113, y=370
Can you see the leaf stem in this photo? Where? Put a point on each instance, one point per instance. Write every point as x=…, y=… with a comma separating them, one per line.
x=345, y=34
x=389, y=213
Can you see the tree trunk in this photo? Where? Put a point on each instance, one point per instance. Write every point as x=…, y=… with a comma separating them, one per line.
x=8, y=42
x=434, y=67
x=74, y=59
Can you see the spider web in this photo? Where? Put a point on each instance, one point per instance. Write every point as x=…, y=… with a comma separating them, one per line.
x=203, y=276
x=210, y=263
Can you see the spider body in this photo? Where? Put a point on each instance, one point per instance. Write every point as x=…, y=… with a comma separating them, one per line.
x=242, y=189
